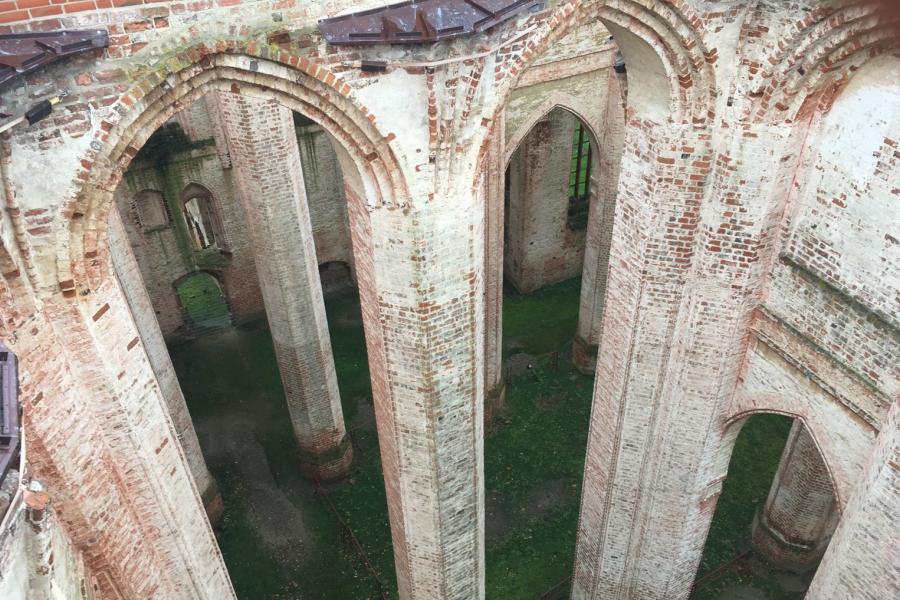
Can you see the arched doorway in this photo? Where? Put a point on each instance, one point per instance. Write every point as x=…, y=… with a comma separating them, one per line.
x=204, y=303
x=774, y=517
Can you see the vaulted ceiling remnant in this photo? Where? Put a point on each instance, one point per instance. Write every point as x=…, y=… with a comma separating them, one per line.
x=23, y=53
x=422, y=21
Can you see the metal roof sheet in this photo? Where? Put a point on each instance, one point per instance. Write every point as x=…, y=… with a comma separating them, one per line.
x=22, y=53
x=421, y=21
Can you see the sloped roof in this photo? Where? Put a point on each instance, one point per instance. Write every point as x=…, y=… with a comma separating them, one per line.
x=22, y=53
x=416, y=22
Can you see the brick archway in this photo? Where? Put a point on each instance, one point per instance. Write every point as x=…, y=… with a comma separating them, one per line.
x=736, y=422
x=826, y=46
x=671, y=30
x=556, y=100
x=292, y=81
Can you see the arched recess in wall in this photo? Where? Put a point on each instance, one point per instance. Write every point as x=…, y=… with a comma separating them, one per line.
x=202, y=218
x=150, y=209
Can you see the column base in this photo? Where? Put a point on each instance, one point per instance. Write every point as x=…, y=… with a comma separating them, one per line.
x=329, y=465
x=584, y=356
x=495, y=401
x=780, y=552
x=212, y=502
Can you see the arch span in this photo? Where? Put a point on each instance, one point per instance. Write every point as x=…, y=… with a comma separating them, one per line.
x=662, y=46
x=735, y=423
x=292, y=81
x=555, y=100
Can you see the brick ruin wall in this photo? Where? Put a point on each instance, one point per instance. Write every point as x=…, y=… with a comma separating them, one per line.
x=738, y=283
x=566, y=86
x=166, y=254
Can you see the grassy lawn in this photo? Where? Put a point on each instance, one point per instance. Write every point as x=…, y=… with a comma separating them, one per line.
x=534, y=459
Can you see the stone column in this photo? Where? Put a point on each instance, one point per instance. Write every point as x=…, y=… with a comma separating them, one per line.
x=128, y=274
x=269, y=175
x=492, y=183
x=861, y=561
x=540, y=248
x=421, y=290
x=794, y=526
x=604, y=187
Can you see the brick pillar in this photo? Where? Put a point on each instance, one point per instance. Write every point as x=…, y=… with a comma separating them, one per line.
x=119, y=480
x=604, y=186
x=794, y=526
x=492, y=183
x=861, y=561
x=692, y=242
x=128, y=274
x=263, y=149
x=39, y=544
x=540, y=248
x=421, y=289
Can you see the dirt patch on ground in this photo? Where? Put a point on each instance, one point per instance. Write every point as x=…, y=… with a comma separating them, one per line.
x=552, y=494
x=365, y=415
x=519, y=363
x=230, y=438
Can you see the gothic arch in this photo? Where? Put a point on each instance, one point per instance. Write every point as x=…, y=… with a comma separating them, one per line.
x=827, y=45
x=660, y=44
x=292, y=81
x=735, y=423
x=555, y=100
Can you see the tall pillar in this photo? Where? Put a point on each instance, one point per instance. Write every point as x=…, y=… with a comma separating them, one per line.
x=266, y=160
x=861, y=561
x=421, y=290
x=794, y=526
x=541, y=250
x=604, y=187
x=493, y=185
x=128, y=274
x=691, y=244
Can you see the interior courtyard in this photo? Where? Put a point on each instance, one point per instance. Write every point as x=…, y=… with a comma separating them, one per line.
x=450, y=299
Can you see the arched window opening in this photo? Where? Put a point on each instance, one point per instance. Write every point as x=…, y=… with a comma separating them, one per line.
x=579, y=180
x=774, y=517
x=202, y=219
x=199, y=219
x=152, y=213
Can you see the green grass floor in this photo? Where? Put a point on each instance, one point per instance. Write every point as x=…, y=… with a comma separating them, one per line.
x=280, y=540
